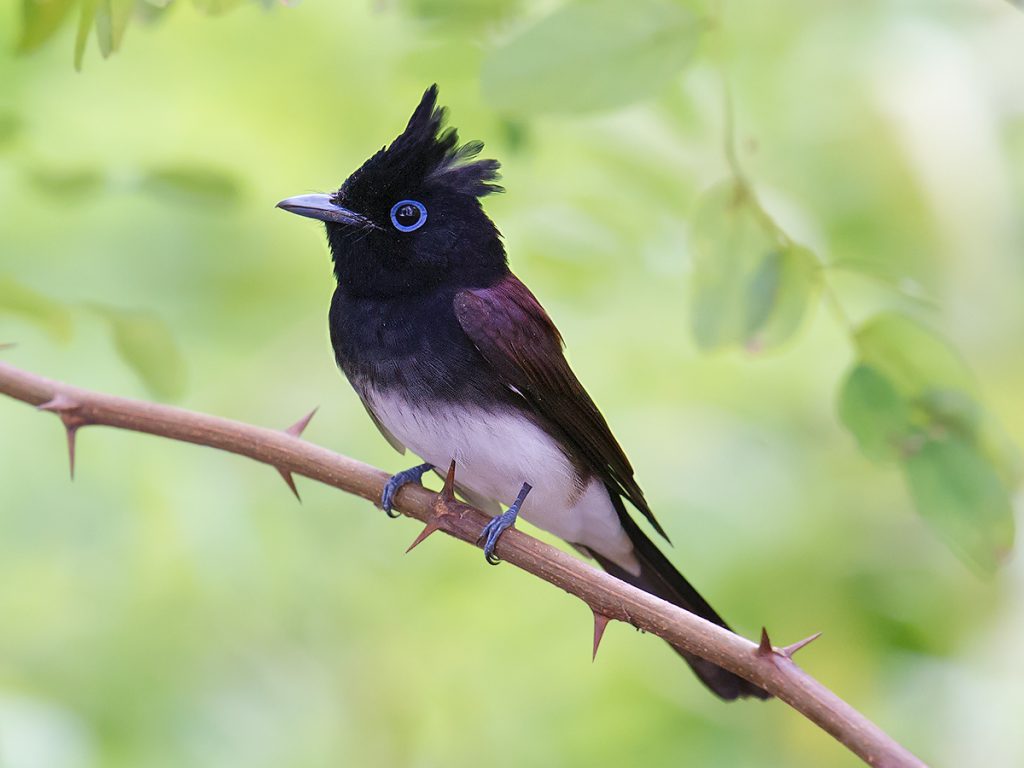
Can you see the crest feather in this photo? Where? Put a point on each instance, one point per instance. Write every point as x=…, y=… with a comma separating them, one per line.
x=424, y=154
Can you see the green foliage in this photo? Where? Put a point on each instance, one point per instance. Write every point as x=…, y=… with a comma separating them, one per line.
x=183, y=184
x=751, y=285
x=141, y=339
x=935, y=385
x=909, y=396
x=192, y=185
x=221, y=6
x=876, y=414
x=912, y=356
x=911, y=399
x=459, y=16
x=10, y=127
x=111, y=22
x=146, y=344
x=51, y=316
x=40, y=20
x=86, y=17
x=589, y=55
x=961, y=495
x=66, y=183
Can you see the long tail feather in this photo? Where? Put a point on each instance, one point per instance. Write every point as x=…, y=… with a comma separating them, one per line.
x=659, y=577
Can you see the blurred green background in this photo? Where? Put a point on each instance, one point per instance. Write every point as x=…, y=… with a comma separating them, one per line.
x=177, y=607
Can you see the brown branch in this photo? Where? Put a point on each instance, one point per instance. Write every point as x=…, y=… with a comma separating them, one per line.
x=610, y=599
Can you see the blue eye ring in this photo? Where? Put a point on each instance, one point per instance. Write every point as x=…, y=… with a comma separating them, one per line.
x=401, y=218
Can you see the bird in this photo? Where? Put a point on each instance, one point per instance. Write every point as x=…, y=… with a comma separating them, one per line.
x=455, y=359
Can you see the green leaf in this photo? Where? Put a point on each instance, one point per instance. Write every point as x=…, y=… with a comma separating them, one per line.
x=44, y=312
x=10, y=128
x=876, y=414
x=40, y=20
x=214, y=7
x=192, y=184
x=901, y=286
x=958, y=492
x=996, y=445
x=913, y=357
x=728, y=245
x=959, y=413
x=112, y=18
x=779, y=296
x=146, y=344
x=86, y=16
x=911, y=397
x=462, y=15
x=591, y=55
x=151, y=11
x=953, y=410
x=64, y=184
x=751, y=285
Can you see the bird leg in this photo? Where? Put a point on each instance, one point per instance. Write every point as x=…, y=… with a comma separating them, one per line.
x=501, y=523
x=411, y=475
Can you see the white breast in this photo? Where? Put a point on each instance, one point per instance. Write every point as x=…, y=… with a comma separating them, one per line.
x=495, y=452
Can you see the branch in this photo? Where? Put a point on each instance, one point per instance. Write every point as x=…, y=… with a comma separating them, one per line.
x=610, y=599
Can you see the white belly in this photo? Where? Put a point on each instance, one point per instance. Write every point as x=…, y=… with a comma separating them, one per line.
x=495, y=452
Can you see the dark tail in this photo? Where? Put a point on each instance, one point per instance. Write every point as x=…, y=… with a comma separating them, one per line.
x=659, y=577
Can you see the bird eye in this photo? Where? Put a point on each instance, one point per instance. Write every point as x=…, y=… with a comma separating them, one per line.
x=408, y=215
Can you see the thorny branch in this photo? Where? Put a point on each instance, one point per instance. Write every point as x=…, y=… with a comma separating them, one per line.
x=770, y=667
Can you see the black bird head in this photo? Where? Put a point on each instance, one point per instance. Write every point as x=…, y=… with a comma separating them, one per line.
x=410, y=218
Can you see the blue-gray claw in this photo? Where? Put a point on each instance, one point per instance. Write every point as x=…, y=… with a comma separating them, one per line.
x=499, y=524
x=411, y=475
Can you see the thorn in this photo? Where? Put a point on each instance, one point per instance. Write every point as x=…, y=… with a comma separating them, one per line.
x=60, y=404
x=600, y=624
x=789, y=650
x=448, y=491
x=296, y=429
x=287, y=477
x=441, y=508
x=428, y=529
x=66, y=409
x=444, y=499
x=71, y=431
x=765, y=647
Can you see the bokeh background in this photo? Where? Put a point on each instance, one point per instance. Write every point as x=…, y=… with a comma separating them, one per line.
x=177, y=607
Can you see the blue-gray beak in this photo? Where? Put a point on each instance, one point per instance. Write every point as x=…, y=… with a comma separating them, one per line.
x=320, y=207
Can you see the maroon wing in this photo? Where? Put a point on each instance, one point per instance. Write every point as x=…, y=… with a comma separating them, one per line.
x=517, y=338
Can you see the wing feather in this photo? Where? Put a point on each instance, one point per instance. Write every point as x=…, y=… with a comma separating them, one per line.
x=517, y=338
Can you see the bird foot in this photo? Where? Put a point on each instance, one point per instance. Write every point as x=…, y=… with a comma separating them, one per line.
x=499, y=524
x=411, y=475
